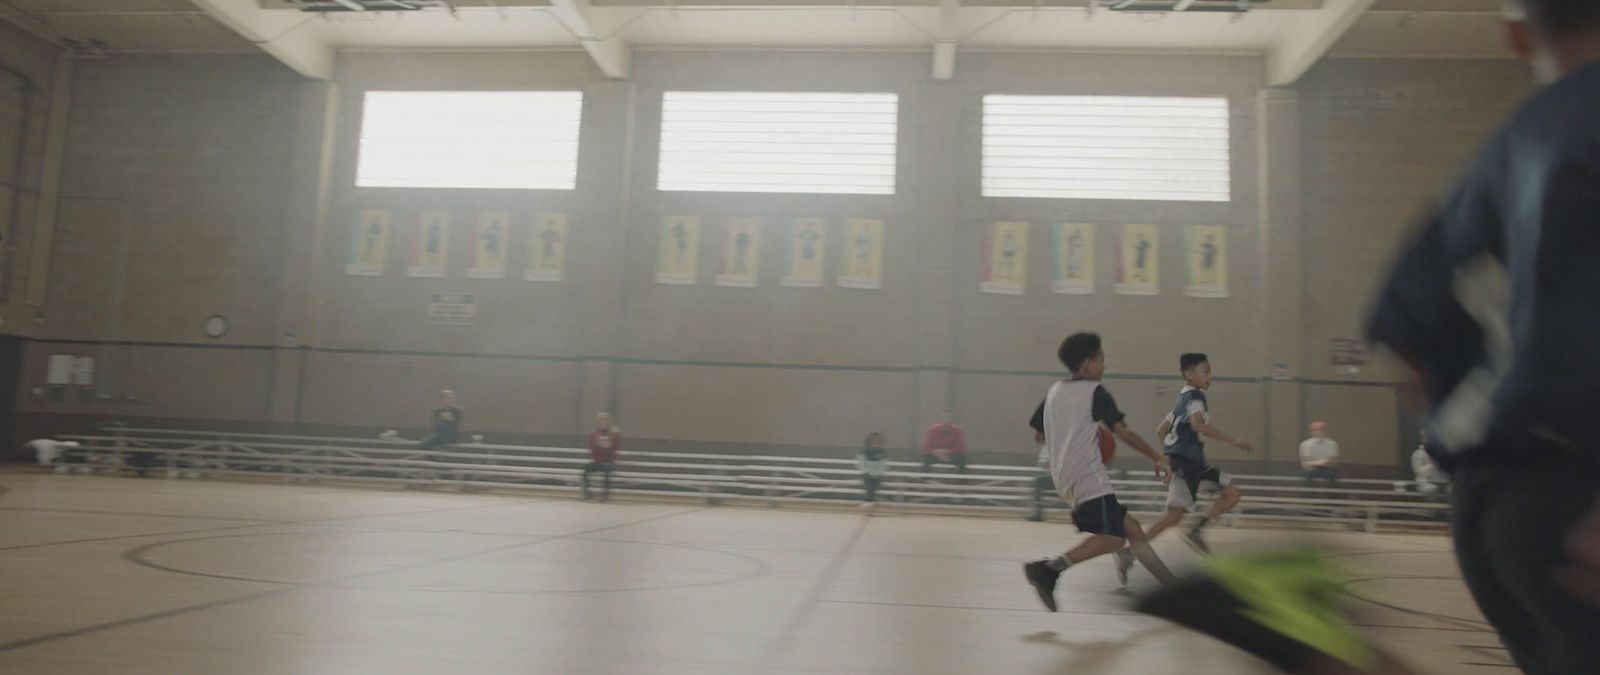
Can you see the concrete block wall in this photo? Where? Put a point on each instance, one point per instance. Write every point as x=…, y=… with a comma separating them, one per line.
x=27, y=74
x=158, y=238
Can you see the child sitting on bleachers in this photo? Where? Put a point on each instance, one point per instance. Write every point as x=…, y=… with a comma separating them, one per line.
x=873, y=463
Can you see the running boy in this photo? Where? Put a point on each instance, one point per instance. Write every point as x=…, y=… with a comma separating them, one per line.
x=1183, y=435
x=1074, y=411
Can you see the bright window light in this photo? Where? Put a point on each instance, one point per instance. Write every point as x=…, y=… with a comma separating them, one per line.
x=521, y=140
x=792, y=142
x=1106, y=147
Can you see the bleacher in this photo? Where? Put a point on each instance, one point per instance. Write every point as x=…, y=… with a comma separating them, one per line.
x=711, y=478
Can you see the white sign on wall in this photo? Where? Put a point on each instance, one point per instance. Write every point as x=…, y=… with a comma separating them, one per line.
x=59, y=371
x=460, y=309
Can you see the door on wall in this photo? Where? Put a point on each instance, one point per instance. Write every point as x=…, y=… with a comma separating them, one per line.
x=10, y=381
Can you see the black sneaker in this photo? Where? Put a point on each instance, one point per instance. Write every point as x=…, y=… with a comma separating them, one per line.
x=1196, y=540
x=1043, y=577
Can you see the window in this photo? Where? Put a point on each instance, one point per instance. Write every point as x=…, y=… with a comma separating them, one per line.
x=778, y=142
x=524, y=140
x=1106, y=147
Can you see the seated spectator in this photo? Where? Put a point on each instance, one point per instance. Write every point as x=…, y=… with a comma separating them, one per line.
x=445, y=422
x=873, y=463
x=604, y=444
x=1319, y=456
x=1043, y=484
x=944, y=443
x=49, y=451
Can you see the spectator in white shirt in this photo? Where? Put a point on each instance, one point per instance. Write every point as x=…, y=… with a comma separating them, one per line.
x=50, y=451
x=1319, y=456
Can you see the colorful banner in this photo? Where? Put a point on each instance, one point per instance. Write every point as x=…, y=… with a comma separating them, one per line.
x=547, y=248
x=1074, y=259
x=489, y=249
x=677, y=252
x=1206, y=248
x=805, y=245
x=1005, y=259
x=863, y=254
x=431, y=249
x=741, y=253
x=369, y=244
x=1138, y=260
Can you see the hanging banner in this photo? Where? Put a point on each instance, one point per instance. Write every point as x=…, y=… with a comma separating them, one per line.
x=1074, y=259
x=677, y=258
x=432, y=246
x=489, y=251
x=1005, y=258
x=863, y=254
x=804, y=246
x=1138, y=261
x=1206, y=248
x=741, y=253
x=547, y=248
x=369, y=244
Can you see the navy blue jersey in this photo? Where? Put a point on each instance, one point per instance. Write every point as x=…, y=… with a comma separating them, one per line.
x=1497, y=299
x=1182, y=439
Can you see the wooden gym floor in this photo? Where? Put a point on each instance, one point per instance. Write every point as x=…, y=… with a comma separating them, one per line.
x=123, y=575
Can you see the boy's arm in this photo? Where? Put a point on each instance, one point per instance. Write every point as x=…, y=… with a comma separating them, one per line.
x=1204, y=427
x=1137, y=442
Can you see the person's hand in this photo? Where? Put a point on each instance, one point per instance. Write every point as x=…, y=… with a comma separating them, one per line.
x=941, y=453
x=1246, y=447
x=1581, y=576
x=1164, y=471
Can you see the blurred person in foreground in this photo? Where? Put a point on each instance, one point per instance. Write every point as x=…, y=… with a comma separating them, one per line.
x=1495, y=306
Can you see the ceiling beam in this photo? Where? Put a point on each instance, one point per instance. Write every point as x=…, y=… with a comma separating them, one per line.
x=1298, y=50
x=608, y=51
x=945, y=38
x=276, y=32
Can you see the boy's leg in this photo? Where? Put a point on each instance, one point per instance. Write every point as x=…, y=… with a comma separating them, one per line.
x=960, y=460
x=1510, y=555
x=927, y=463
x=1173, y=516
x=1224, y=503
x=1105, y=521
x=1140, y=543
x=605, y=484
x=1213, y=479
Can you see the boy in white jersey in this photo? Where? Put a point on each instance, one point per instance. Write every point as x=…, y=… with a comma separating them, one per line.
x=1073, y=414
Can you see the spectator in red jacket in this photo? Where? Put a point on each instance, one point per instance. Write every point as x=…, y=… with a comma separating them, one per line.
x=604, y=443
x=944, y=443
